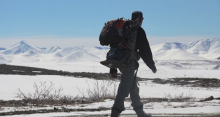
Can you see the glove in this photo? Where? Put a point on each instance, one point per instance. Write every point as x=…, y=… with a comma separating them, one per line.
x=154, y=70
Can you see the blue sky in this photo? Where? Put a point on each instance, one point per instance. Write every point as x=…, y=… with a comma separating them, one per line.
x=78, y=21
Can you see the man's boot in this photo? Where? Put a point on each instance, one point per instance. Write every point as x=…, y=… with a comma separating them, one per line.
x=140, y=112
x=115, y=113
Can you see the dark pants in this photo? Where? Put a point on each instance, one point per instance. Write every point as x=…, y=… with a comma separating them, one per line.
x=127, y=86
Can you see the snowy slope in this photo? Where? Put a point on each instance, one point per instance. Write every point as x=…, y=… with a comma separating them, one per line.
x=1, y=49
x=69, y=54
x=172, y=51
x=20, y=52
x=43, y=50
x=74, y=54
x=207, y=48
x=53, y=49
x=5, y=58
x=80, y=55
x=98, y=51
x=197, y=50
x=68, y=50
x=22, y=48
x=23, y=52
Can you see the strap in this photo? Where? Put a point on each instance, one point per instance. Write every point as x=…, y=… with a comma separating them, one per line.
x=135, y=78
x=135, y=56
x=135, y=75
x=130, y=31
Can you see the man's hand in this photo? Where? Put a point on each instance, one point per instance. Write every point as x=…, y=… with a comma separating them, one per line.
x=154, y=70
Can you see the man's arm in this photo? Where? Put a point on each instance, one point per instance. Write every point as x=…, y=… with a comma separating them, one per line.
x=144, y=50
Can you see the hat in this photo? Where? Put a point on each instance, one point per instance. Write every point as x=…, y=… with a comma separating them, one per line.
x=136, y=14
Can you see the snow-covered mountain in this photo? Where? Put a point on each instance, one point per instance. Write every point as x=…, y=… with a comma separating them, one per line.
x=43, y=50
x=24, y=52
x=2, y=48
x=73, y=54
x=207, y=48
x=172, y=51
x=53, y=49
x=80, y=55
x=22, y=48
x=197, y=50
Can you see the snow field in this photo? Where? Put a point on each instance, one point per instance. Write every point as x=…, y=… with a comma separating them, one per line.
x=158, y=110
x=148, y=89
x=9, y=85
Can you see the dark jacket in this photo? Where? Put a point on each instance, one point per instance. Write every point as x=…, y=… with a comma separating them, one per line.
x=143, y=47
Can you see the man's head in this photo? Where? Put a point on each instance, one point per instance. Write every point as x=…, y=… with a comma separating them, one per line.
x=137, y=15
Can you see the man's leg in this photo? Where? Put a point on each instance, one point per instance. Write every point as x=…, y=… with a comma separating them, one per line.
x=135, y=97
x=126, y=83
x=136, y=101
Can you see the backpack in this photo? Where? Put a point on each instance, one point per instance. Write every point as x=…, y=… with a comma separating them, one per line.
x=112, y=32
x=121, y=36
x=115, y=30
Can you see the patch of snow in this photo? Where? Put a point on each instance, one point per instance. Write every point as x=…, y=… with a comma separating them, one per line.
x=79, y=55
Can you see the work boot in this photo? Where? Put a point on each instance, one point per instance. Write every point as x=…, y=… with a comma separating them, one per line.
x=141, y=113
x=115, y=113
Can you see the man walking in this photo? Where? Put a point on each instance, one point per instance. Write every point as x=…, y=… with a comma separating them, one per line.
x=128, y=84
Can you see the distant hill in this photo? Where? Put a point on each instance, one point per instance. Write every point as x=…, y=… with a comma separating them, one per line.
x=205, y=49
x=197, y=50
x=2, y=48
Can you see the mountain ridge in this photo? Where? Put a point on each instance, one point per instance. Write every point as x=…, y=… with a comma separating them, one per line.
x=196, y=50
x=21, y=48
x=204, y=49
